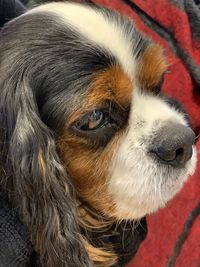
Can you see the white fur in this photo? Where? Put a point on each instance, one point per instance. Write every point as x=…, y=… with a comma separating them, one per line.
x=97, y=28
x=138, y=184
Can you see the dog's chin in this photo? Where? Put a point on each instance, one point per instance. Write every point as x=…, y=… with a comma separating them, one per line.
x=144, y=186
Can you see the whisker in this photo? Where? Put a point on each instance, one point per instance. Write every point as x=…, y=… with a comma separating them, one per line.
x=197, y=136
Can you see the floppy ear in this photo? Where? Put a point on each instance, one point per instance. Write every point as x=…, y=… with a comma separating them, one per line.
x=34, y=178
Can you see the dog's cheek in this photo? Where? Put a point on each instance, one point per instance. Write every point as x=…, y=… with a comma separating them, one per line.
x=89, y=170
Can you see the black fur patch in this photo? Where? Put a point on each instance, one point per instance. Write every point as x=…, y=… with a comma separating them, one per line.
x=57, y=61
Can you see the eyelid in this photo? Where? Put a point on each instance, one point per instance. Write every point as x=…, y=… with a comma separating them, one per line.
x=83, y=120
x=112, y=109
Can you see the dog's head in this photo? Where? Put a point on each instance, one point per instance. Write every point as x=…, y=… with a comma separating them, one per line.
x=81, y=108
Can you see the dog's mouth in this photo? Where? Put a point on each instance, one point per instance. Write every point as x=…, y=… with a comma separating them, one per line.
x=146, y=190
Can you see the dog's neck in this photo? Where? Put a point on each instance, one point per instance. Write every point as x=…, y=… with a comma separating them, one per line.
x=110, y=242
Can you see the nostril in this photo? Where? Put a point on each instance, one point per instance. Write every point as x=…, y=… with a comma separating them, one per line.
x=180, y=154
x=183, y=154
x=174, y=156
x=170, y=155
x=164, y=153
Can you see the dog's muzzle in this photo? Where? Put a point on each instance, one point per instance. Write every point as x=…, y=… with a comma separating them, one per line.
x=173, y=145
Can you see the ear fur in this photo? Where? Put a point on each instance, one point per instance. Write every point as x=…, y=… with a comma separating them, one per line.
x=34, y=178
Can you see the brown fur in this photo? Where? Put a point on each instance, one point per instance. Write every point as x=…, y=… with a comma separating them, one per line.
x=41, y=162
x=89, y=167
x=111, y=84
x=40, y=173
x=93, y=222
x=100, y=256
x=151, y=67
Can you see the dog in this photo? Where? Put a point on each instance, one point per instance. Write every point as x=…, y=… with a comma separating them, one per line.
x=88, y=139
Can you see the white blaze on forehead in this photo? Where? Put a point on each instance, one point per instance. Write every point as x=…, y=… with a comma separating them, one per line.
x=97, y=28
x=150, y=108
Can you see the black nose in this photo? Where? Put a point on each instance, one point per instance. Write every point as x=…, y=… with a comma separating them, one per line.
x=173, y=144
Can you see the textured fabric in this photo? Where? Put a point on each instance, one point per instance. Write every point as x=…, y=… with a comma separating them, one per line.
x=15, y=246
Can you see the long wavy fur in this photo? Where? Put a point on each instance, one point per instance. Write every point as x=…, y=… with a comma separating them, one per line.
x=35, y=179
x=31, y=172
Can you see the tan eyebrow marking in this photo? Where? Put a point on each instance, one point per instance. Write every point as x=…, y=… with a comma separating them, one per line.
x=110, y=84
x=152, y=65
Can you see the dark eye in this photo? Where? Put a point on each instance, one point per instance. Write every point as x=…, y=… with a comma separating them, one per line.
x=93, y=121
x=96, y=120
x=100, y=125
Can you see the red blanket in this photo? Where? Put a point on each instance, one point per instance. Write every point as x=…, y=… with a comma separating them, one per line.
x=176, y=25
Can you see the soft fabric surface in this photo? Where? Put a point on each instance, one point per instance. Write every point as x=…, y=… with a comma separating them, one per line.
x=15, y=246
x=176, y=25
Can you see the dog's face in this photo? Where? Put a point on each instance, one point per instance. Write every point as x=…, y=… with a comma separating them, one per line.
x=126, y=148
x=95, y=84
